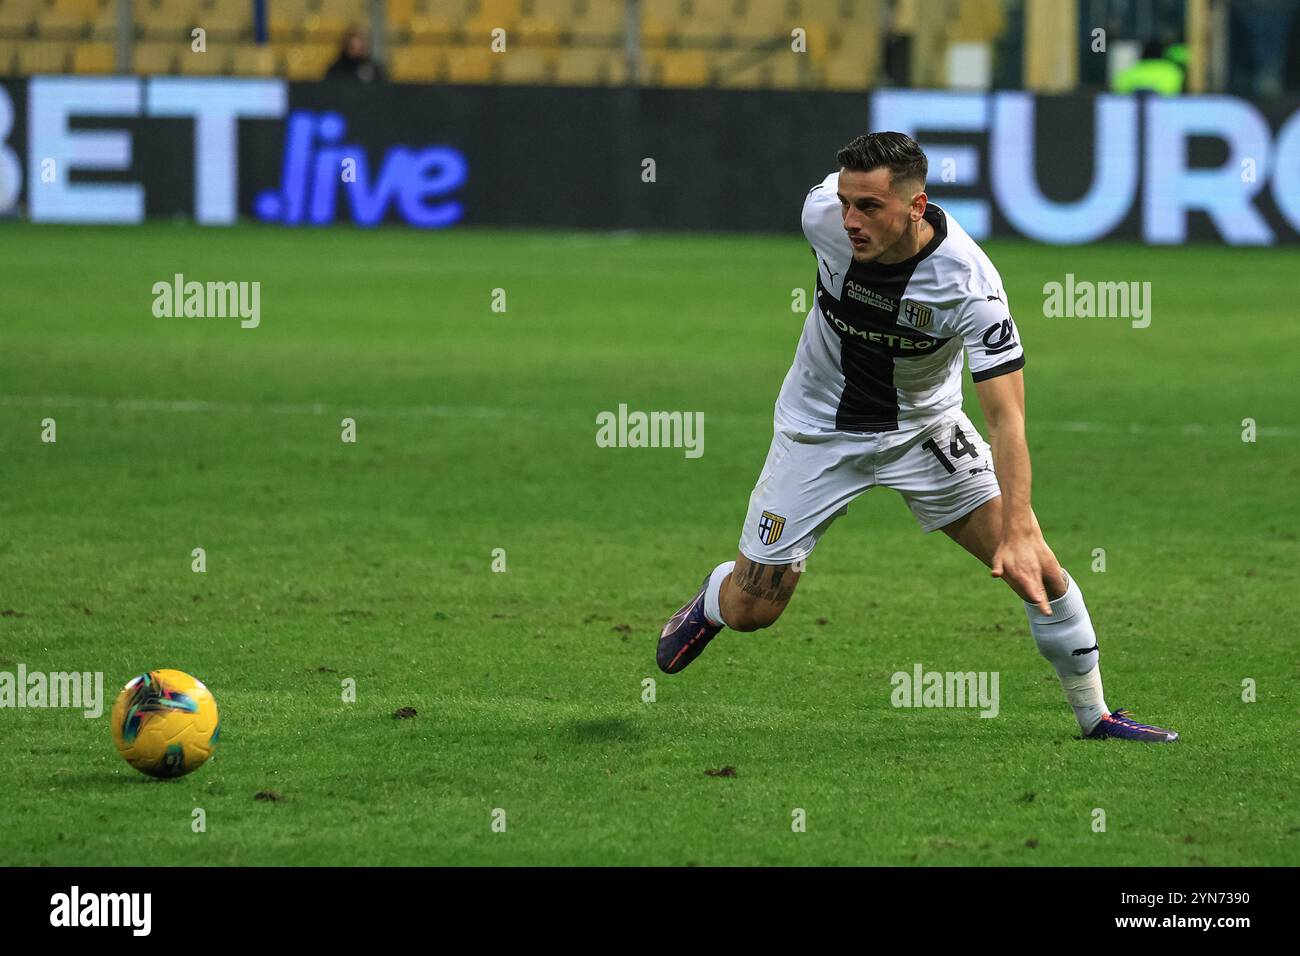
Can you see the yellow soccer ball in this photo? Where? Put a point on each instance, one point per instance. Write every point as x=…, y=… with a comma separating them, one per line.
x=165, y=723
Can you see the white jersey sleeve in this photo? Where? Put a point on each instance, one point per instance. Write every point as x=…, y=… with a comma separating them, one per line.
x=988, y=332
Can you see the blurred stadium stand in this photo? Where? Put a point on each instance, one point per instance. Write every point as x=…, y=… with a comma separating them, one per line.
x=1042, y=45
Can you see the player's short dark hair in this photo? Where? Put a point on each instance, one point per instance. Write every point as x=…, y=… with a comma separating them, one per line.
x=897, y=152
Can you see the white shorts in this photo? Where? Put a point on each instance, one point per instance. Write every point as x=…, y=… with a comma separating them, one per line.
x=943, y=469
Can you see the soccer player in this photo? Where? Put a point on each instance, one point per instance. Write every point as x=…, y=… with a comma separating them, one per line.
x=874, y=398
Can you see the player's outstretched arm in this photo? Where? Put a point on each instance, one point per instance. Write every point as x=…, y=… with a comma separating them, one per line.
x=1023, y=558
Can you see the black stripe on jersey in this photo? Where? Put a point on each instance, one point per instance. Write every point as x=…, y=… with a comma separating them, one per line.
x=871, y=340
x=1005, y=368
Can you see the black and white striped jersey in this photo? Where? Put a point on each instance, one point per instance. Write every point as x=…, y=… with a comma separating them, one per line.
x=882, y=347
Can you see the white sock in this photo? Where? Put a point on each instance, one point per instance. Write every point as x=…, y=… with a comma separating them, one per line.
x=712, y=593
x=1085, y=696
x=1068, y=641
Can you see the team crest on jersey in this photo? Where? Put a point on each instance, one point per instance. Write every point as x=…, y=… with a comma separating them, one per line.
x=916, y=315
x=770, y=527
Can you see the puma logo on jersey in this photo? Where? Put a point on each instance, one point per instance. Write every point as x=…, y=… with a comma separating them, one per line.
x=828, y=270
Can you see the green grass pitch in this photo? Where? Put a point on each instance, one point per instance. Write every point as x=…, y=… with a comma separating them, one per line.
x=476, y=431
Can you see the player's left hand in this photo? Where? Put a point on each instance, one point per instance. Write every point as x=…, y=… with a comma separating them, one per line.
x=1026, y=563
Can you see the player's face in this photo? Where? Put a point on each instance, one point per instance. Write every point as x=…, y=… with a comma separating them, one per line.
x=878, y=214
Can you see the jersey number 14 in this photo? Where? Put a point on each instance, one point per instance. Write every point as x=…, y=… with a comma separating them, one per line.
x=956, y=448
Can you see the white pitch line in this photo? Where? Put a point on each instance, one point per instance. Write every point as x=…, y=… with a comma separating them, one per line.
x=479, y=411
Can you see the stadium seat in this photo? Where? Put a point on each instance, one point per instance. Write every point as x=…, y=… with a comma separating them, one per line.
x=616, y=72
x=561, y=11
x=857, y=38
x=831, y=13
x=577, y=66
x=669, y=11
x=352, y=12
x=152, y=57
x=59, y=23
x=684, y=68
x=282, y=28
x=416, y=64
x=42, y=56
x=147, y=10
x=761, y=31
x=499, y=13
x=526, y=67
x=848, y=70
x=253, y=59
x=93, y=58
x=17, y=17
x=659, y=22
x=784, y=70
x=104, y=25
x=211, y=62
x=284, y=19
x=426, y=29
x=709, y=25
x=817, y=40
x=474, y=64
x=536, y=31
x=479, y=31
x=398, y=15
x=226, y=21
x=597, y=22
x=981, y=21
x=325, y=28
x=85, y=9
x=170, y=21
x=719, y=11
x=455, y=12
x=740, y=71
x=703, y=33
x=309, y=61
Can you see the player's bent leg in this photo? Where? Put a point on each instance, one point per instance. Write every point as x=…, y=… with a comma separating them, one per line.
x=754, y=595
x=806, y=483
x=740, y=594
x=1066, y=638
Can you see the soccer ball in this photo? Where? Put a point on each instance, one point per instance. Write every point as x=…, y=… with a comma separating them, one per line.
x=165, y=723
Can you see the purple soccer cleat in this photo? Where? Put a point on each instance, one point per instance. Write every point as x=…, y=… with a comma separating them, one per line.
x=686, y=634
x=1121, y=725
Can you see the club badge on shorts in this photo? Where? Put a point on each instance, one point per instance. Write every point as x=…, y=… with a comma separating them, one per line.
x=770, y=527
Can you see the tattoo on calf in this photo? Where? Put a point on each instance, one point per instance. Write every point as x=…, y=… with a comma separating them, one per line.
x=778, y=588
